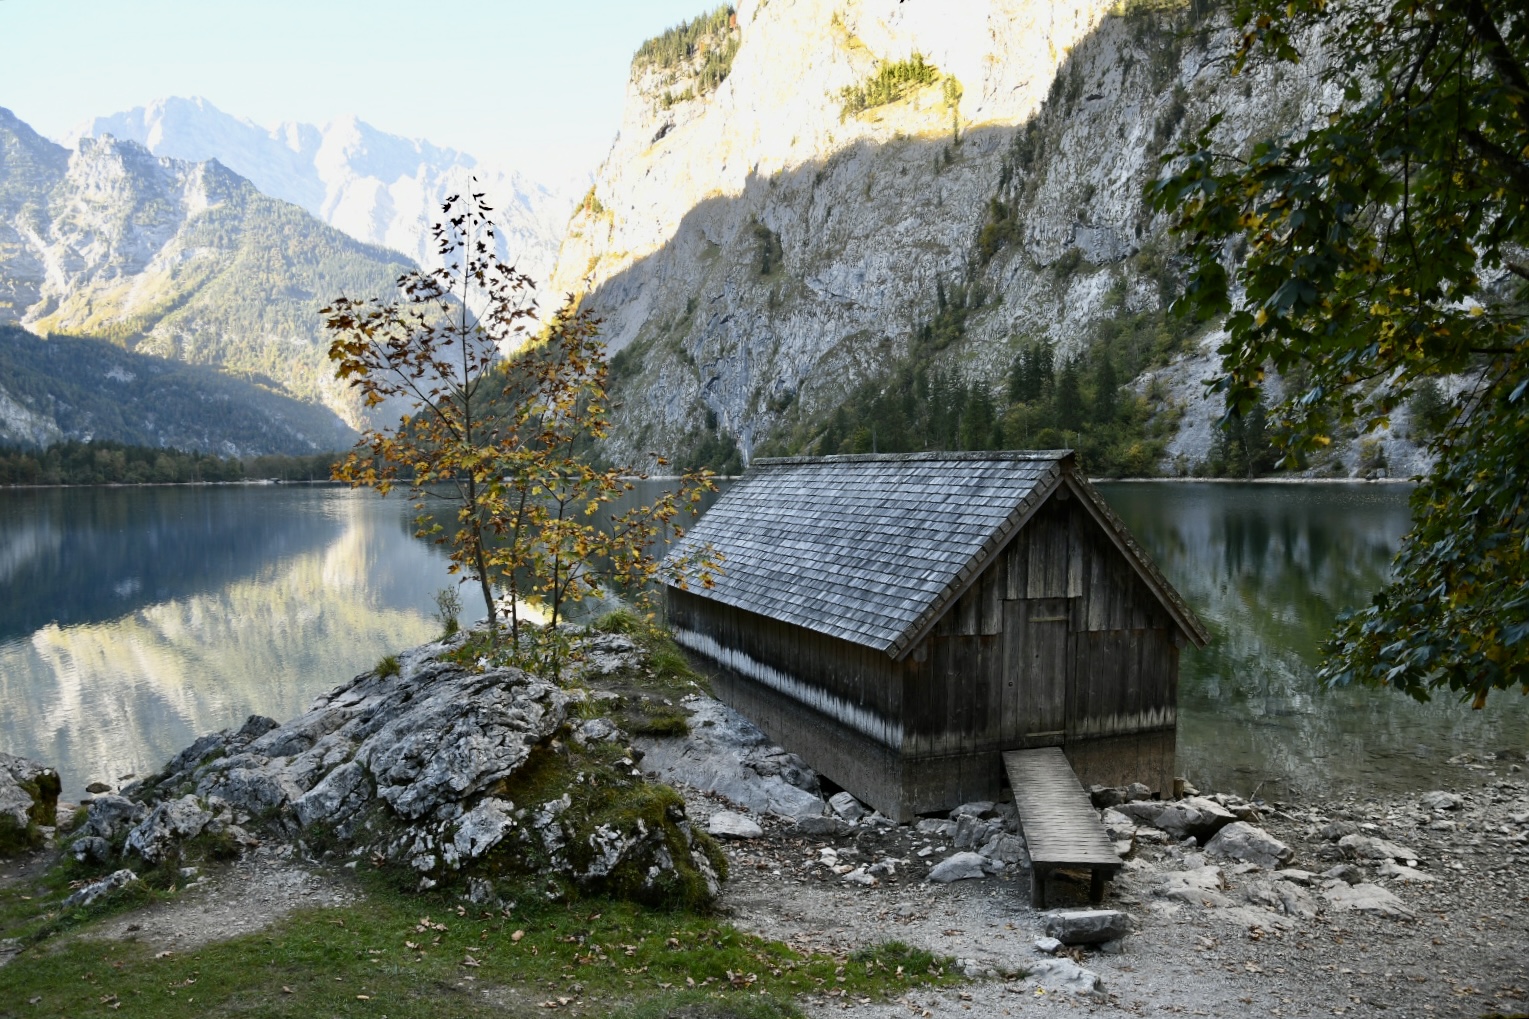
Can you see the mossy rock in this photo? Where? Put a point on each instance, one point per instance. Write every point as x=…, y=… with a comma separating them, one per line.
x=42, y=787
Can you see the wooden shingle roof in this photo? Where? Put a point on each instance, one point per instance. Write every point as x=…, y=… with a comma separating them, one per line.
x=873, y=549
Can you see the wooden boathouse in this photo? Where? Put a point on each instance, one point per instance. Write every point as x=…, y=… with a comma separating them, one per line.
x=902, y=620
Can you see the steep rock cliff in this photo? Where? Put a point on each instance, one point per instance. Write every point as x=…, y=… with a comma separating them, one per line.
x=764, y=248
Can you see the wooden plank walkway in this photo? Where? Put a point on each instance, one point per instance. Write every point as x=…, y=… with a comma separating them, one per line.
x=1061, y=827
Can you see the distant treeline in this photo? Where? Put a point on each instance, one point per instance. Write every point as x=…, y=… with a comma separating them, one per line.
x=115, y=463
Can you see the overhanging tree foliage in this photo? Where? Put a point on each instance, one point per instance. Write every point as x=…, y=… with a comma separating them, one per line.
x=1387, y=246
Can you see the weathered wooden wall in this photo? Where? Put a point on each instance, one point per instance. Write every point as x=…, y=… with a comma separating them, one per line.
x=1058, y=642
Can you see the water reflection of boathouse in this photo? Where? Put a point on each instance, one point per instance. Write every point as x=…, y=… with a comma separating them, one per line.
x=902, y=620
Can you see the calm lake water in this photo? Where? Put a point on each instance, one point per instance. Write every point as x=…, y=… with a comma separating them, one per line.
x=133, y=620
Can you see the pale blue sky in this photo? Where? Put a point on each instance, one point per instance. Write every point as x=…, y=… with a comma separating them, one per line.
x=538, y=85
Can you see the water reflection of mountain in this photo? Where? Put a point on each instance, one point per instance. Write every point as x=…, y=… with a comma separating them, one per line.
x=85, y=555
x=101, y=698
x=1268, y=567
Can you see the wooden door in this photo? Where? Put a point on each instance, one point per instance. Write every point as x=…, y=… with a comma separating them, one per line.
x=1035, y=672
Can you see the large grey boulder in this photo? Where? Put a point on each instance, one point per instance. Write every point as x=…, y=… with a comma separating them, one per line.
x=338, y=795
x=1088, y=926
x=457, y=738
x=959, y=867
x=1250, y=844
x=1195, y=817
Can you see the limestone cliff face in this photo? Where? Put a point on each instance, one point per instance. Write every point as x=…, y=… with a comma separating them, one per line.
x=761, y=249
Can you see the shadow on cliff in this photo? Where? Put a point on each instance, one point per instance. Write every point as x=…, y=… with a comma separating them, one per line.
x=781, y=245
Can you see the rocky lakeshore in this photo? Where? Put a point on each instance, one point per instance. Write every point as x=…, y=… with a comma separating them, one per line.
x=478, y=786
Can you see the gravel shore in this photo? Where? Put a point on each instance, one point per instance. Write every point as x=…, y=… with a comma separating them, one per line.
x=1447, y=935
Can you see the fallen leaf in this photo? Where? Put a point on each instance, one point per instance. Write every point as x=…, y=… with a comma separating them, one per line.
x=470, y=961
x=163, y=955
x=517, y=935
x=285, y=989
x=363, y=997
x=410, y=944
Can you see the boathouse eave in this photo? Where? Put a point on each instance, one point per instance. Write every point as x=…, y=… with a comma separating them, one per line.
x=1189, y=624
x=1065, y=475
x=997, y=542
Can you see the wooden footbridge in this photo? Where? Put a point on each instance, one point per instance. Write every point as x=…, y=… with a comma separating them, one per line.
x=1062, y=830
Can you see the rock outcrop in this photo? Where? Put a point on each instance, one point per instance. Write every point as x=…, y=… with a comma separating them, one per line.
x=28, y=802
x=441, y=771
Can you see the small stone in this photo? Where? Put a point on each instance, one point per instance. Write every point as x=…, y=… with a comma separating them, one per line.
x=97, y=890
x=1048, y=945
x=859, y=876
x=1332, y=831
x=1369, y=847
x=97, y=787
x=821, y=825
x=1006, y=849
x=1065, y=975
x=976, y=808
x=729, y=825
x=1243, y=841
x=1119, y=826
x=846, y=806
x=1367, y=898
x=935, y=826
x=1345, y=872
x=1439, y=800
x=91, y=849
x=1088, y=926
x=959, y=867
x=1404, y=874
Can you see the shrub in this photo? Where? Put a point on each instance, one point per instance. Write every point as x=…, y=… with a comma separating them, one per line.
x=891, y=82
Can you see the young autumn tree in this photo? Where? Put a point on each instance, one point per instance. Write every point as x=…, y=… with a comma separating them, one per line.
x=1386, y=248
x=497, y=416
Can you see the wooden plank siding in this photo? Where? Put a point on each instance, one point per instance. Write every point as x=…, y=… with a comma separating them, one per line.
x=1057, y=641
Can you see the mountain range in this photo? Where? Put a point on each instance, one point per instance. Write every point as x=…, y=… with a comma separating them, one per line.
x=379, y=188
x=186, y=261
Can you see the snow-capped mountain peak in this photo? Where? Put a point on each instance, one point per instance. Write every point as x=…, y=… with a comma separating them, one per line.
x=378, y=187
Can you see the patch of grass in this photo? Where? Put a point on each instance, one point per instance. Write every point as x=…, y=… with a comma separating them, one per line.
x=660, y=721
x=380, y=957
x=388, y=666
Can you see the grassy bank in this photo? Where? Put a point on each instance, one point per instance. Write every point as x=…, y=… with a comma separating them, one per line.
x=402, y=956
